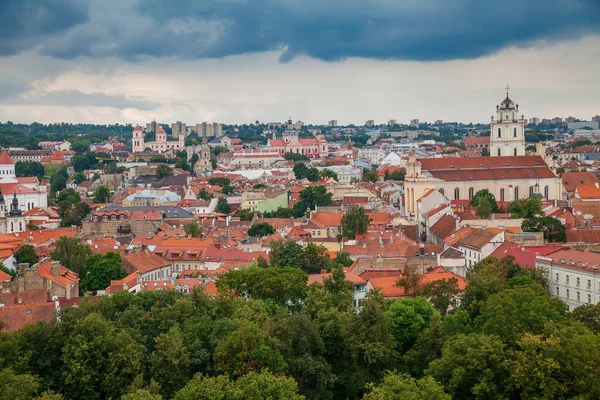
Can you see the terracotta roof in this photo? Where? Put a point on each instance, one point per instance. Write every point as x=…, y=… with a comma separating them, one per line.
x=435, y=210
x=588, y=192
x=325, y=220
x=143, y=261
x=66, y=278
x=477, y=238
x=576, y=259
x=388, y=286
x=587, y=236
x=441, y=273
x=4, y=277
x=444, y=227
x=5, y=159
x=25, y=308
x=486, y=168
x=573, y=179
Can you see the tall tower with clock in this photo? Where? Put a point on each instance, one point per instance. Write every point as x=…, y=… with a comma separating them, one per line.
x=507, y=136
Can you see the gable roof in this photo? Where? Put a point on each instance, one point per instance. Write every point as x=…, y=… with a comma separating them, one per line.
x=573, y=179
x=5, y=159
x=477, y=239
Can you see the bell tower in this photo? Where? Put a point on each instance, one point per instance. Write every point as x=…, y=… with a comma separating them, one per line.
x=507, y=136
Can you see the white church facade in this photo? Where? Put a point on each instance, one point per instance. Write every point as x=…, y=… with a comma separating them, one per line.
x=508, y=173
x=29, y=191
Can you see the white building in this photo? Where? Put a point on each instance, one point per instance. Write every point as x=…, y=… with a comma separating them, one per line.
x=507, y=130
x=29, y=192
x=573, y=276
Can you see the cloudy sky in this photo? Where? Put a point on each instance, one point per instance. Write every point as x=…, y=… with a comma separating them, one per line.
x=236, y=61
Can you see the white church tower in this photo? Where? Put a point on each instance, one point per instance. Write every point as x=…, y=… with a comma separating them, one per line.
x=507, y=136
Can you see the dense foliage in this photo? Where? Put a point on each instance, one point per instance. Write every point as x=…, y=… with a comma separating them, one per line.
x=269, y=335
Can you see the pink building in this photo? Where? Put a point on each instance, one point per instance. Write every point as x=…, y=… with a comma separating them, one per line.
x=315, y=147
x=159, y=145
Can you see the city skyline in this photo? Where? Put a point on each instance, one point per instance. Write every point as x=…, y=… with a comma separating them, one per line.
x=116, y=62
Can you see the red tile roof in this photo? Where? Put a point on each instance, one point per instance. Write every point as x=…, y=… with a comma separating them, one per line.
x=5, y=159
x=142, y=261
x=66, y=278
x=477, y=238
x=388, y=286
x=573, y=179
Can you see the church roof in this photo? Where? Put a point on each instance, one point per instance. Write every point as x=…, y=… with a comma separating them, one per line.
x=507, y=103
x=487, y=168
x=5, y=159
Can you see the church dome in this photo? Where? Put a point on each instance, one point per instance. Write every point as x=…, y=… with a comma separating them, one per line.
x=507, y=103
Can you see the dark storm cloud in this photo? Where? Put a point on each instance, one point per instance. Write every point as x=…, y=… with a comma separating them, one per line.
x=25, y=23
x=422, y=30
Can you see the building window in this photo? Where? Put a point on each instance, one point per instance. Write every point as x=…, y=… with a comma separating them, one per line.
x=567, y=293
x=567, y=279
x=530, y=191
x=501, y=194
x=556, y=278
x=589, y=284
x=578, y=281
x=517, y=193
x=441, y=191
x=589, y=299
x=471, y=193
x=515, y=133
x=515, y=151
x=578, y=296
x=557, y=291
x=456, y=194
x=499, y=132
x=546, y=192
x=498, y=152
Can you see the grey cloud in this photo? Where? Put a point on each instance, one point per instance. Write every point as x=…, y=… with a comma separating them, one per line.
x=329, y=30
x=76, y=98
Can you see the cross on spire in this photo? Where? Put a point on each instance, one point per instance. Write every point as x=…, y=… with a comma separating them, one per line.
x=507, y=89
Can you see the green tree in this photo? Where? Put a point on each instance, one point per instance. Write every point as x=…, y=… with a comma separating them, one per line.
x=327, y=173
x=170, y=362
x=484, y=209
x=553, y=229
x=315, y=258
x=102, y=194
x=525, y=208
x=408, y=318
x=227, y=189
x=204, y=195
x=279, y=213
x=441, y=293
x=286, y=254
x=26, y=254
x=370, y=175
x=30, y=168
x=484, y=194
x=310, y=198
x=511, y=313
x=58, y=181
x=222, y=206
x=72, y=254
x=6, y=270
x=100, y=269
x=100, y=361
x=252, y=386
x=193, y=229
x=219, y=181
x=285, y=286
x=182, y=163
x=471, y=367
x=261, y=229
x=80, y=163
x=79, y=178
x=295, y=157
x=248, y=348
x=244, y=215
x=162, y=171
x=588, y=314
x=141, y=394
x=397, y=386
x=300, y=171
x=486, y=278
x=354, y=221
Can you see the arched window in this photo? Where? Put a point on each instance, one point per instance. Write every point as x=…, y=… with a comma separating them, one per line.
x=12, y=226
x=499, y=153
x=515, y=132
x=515, y=151
x=501, y=194
x=471, y=190
x=530, y=191
x=517, y=193
x=456, y=194
x=546, y=192
x=442, y=191
x=21, y=226
x=499, y=132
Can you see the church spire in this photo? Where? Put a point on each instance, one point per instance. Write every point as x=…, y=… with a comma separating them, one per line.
x=14, y=207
